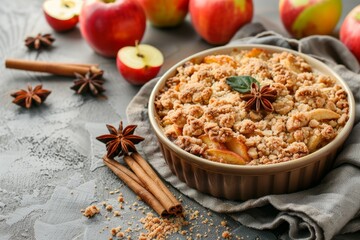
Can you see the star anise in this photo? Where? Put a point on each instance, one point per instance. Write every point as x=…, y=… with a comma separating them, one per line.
x=40, y=41
x=25, y=98
x=90, y=82
x=260, y=98
x=120, y=141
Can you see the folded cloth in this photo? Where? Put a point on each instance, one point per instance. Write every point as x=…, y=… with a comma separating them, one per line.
x=330, y=208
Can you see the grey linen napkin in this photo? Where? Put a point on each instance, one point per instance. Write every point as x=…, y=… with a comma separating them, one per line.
x=330, y=208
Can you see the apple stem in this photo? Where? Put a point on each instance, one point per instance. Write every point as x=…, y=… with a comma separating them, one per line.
x=67, y=3
x=108, y=1
x=140, y=55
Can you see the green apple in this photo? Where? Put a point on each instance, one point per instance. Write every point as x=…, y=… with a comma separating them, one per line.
x=165, y=13
x=303, y=18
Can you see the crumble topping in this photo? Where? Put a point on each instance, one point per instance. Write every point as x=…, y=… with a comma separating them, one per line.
x=91, y=211
x=310, y=109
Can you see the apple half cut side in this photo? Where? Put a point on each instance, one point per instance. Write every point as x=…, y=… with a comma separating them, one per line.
x=138, y=64
x=62, y=15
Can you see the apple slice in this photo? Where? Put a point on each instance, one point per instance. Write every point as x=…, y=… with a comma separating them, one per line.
x=140, y=63
x=313, y=142
x=237, y=146
x=62, y=15
x=210, y=143
x=320, y=114
x=225, y=156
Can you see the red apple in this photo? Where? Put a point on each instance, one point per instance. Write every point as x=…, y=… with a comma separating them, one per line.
x=138, y=64
x=309, y=17
x=108, y=25
x=350, y=31
x=165, y=13
x=218, y=21
x=62, y=15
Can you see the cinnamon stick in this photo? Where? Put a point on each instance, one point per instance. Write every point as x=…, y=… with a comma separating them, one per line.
x=131, y=181
x=51, y=67
x=88, y=65
x=177, y=207
x=150, y=185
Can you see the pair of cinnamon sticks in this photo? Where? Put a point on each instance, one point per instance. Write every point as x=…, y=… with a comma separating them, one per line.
x=63, y=69
x=146, y=184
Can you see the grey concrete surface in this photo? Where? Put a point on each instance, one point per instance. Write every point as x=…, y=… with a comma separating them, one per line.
x=50, y=161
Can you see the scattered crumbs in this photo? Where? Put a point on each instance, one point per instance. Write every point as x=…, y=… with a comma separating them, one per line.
x=223, y=223
x=120, y=234
x=160, y=228
x=120, y=199
x=194, y=215
x=115, y=231
x=91, y=211
x=205, y=221
x=151, y=226
x=226, y=234
x=111, y=192
x=109, y=208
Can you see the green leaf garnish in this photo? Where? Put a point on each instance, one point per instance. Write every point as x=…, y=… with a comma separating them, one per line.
x=241, y=83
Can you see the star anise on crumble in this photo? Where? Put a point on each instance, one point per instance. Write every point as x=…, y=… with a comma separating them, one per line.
x=90, y=82
x=39, y=41
x=120, y=141
x=26, y=98
x=260, y=98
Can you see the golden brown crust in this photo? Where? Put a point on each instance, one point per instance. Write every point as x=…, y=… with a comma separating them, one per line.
x=198, y=101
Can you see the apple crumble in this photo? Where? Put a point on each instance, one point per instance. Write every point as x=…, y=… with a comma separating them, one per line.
x=282, y=110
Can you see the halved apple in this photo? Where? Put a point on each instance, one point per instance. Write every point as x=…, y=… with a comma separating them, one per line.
x=140, y=63
x=210, y=143
x=225, y=156
x=237, y=146
x=62, y=15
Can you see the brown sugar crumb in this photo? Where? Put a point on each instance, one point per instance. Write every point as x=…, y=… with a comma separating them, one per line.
x=115, y=231
x=223, y=223
x=91, y=211
x=109, y=208
x=116, y=213
x=160, y=228
x=120, y=234
x=226, y=234
x=120, y=199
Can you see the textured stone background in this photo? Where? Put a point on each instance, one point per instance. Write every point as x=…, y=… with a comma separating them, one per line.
x=50, y=165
